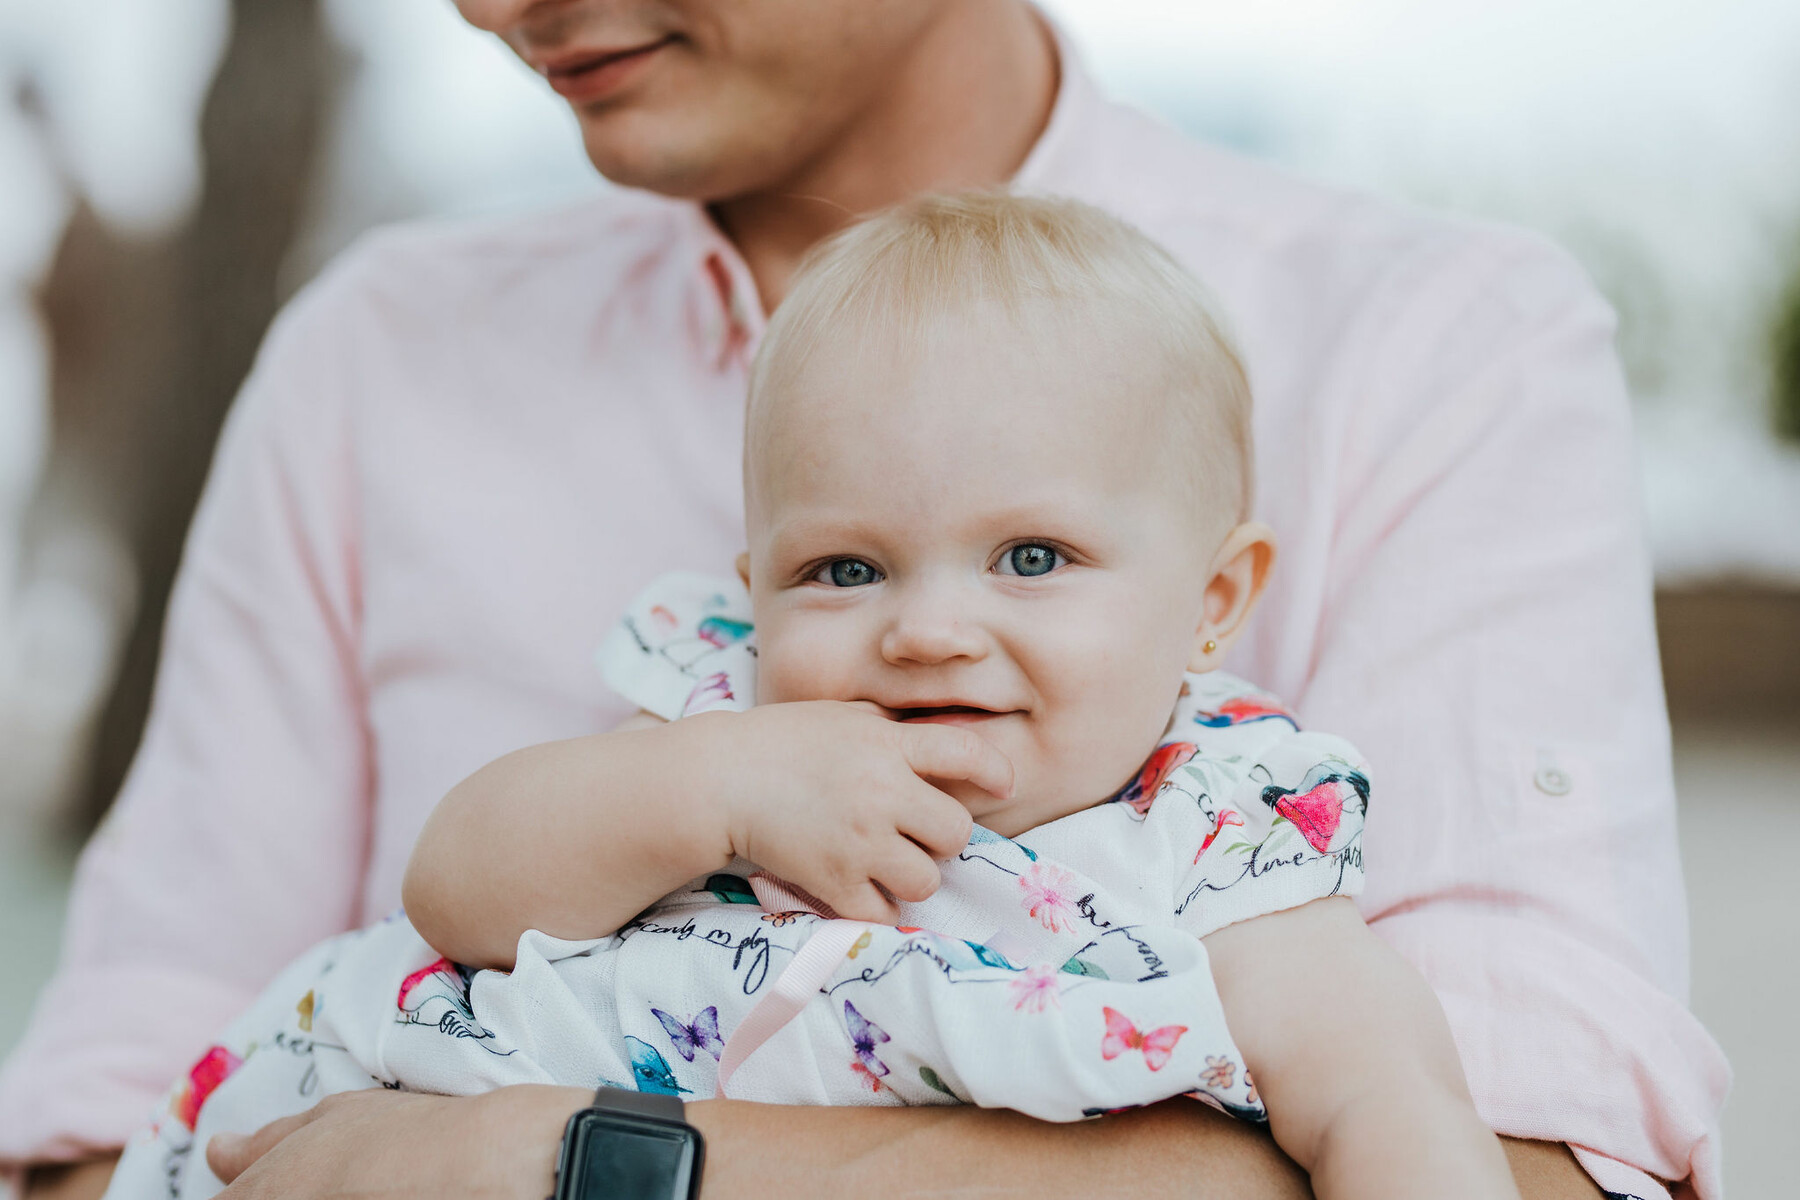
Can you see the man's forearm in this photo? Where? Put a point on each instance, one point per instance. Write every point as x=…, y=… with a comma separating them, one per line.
x=1176, y=1149
x=756, y=1151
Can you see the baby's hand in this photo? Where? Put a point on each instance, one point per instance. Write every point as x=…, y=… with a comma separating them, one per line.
x=833, y=797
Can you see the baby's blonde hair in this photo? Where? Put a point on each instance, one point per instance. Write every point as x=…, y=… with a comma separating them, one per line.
x=901, y=272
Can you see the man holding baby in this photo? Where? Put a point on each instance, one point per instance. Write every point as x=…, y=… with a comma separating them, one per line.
x=465, y=448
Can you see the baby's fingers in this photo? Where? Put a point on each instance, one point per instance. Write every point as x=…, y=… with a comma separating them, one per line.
x=910, y=875
x=950, y=752
x=864, y=902
x=938, y=824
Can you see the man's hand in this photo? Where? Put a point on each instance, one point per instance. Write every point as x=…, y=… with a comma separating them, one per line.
x=399, y=1145
x=835, y=797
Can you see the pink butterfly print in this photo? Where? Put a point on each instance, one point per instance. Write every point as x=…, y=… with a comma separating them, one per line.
x=865, y=1035
x=868, y=1078
x=1122, y=1035
x=1228, y=817
x=1155, y=772
x=689, y=1037
x=214, y=1068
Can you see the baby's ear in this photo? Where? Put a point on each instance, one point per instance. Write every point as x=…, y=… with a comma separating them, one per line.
x=743, y=567
x=1237, y=575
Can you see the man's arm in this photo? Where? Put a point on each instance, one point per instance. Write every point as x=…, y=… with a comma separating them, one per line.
x=1485, y=638
x=238, y=839
x=755, y=1151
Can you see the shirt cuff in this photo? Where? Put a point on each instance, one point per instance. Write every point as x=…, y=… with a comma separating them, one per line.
x=1617, y=1179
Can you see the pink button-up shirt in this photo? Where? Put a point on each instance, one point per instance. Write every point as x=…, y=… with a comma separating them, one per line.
x=465, y=447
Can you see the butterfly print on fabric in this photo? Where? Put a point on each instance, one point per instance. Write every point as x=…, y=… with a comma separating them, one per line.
x=1122, y=1035
x=689, y=1038
x=865, y=1036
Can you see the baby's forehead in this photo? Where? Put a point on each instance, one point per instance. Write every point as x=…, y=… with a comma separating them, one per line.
x=973, y=402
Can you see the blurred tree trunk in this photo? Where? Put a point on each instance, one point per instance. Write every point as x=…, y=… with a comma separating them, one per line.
x=151, y=340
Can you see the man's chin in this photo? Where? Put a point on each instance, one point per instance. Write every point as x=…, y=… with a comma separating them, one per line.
x=639, y=150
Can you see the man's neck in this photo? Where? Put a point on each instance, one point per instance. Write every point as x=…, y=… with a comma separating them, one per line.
x=970, y=104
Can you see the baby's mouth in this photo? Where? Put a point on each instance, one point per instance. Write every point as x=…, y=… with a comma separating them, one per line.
x=947, y=714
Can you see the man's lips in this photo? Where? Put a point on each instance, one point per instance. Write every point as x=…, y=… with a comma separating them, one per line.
x=592, y=74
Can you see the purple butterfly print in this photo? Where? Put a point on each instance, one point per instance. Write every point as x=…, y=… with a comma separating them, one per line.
x=701, y=1034
x=865, y=1035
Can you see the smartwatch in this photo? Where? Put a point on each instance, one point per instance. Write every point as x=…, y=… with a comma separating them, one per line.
x=630, y=1146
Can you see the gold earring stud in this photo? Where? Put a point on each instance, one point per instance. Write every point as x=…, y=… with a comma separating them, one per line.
x=1209, y=647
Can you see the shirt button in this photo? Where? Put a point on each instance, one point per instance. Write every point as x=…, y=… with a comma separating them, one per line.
x=1551, y=779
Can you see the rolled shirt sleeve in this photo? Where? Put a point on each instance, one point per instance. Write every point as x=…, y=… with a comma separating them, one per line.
x=239, y=836
x=1488, y=641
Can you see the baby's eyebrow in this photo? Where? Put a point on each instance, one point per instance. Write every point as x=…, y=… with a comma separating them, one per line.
x=814, y=531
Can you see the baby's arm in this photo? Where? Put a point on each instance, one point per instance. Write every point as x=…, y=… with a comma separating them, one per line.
x=574, y=838
x=1353, y=1058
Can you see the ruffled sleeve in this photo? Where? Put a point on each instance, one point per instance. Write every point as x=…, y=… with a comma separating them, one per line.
x=1280, y=811
x=685, y=646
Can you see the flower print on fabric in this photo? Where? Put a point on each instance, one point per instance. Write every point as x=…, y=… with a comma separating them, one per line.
x=214, y=1068
x=1122, y=1035
x=1219, y=1073
x=1141, y=792
x=865, y=1036
x=1050, y=895
x=690, y=1037
x=1035, y=989
x=1317, y=807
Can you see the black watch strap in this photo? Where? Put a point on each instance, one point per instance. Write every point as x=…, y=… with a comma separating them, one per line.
x=644, y=1104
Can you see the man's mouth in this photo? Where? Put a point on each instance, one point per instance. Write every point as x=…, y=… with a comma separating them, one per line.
x=591, y=74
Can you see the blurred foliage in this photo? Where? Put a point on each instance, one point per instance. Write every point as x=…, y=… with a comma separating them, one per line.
x=1785, y=360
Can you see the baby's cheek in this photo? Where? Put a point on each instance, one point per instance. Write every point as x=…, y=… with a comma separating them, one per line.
x=797, y=663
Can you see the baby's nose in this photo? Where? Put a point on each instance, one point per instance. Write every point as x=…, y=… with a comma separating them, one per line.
x=932, y=632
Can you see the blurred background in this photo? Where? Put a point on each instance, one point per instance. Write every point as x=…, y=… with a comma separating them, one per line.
x=171, y=170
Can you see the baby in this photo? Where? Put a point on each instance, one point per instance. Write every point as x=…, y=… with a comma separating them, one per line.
x=995, y=829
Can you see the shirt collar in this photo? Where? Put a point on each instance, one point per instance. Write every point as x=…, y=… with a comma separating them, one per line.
x=726, y=310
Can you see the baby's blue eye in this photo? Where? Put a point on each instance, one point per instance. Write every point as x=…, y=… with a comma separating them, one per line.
x=1033, y=558
x=847, y=573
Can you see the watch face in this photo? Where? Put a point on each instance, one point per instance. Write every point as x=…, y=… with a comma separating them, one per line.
x=619, y=1157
